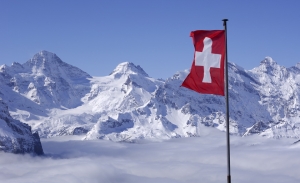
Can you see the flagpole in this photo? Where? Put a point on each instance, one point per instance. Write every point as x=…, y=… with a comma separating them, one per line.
x=227, y=104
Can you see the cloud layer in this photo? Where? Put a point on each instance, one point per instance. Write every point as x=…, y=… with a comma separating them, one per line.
x=185, y=160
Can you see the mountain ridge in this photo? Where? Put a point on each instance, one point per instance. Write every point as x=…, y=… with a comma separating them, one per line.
x=128, y=104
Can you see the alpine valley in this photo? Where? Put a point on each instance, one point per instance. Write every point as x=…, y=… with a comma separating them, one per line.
x=56, y=99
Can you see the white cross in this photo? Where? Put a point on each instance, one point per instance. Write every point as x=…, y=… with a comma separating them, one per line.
x=207, y=59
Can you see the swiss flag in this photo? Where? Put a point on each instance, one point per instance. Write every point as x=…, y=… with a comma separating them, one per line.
x=207, y=71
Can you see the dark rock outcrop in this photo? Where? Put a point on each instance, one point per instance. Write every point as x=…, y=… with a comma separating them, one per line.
x=16, y=137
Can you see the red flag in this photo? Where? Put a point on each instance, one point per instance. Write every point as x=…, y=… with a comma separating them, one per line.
x=207, y=71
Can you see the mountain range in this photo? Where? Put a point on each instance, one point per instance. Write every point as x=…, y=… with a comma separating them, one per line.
x=55, y=98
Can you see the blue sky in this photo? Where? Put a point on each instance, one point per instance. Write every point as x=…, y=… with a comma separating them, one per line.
x=97, y=35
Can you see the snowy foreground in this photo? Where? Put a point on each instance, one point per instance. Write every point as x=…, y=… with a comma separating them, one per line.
x=195, y=159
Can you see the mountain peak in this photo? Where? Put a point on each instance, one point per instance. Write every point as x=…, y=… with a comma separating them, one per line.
x=44, y=56
x=50, y=64
x=268, y=61
x=268, y=65
x=44, y=62
x=298, y=65
x=128, y=68
x=44, y=52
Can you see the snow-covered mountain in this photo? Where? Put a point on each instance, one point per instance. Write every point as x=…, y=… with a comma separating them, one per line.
x=55, y=98
x=47, y=81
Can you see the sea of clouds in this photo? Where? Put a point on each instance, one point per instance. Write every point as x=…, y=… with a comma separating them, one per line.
x=182, y=160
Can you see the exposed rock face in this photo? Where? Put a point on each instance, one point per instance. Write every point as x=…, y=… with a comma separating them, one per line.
x=16, y=137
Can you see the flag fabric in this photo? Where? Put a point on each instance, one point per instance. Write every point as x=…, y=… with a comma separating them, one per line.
x=207, y=71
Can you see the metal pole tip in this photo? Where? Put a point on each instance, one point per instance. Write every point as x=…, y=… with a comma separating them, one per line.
x=224, y=22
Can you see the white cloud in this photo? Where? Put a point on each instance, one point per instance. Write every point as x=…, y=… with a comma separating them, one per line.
x=203, y=159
